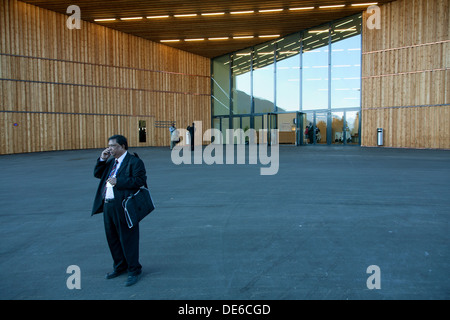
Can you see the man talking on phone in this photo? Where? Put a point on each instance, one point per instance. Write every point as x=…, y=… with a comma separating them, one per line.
x=120, y=174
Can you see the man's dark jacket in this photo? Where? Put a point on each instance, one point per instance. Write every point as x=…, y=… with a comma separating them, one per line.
x=130, y=177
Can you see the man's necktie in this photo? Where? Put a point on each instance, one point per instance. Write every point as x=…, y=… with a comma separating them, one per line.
x=109, y=176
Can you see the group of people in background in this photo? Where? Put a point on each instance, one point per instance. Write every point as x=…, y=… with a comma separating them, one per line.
x=309, y=133
x=175, y=136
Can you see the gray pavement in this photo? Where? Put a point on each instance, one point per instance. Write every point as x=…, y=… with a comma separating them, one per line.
x=227, y=232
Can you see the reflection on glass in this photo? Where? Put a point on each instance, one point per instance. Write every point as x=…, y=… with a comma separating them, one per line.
x=308, y=132
x=263, y=78
x=315, y=69
x=352, y=127
x=221, y=86
x=241, y=81
x=346, y=64
x=321, y=128
x=337, y=127
x=288, y=74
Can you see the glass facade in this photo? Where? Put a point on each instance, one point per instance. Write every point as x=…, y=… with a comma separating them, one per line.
x=315, y=72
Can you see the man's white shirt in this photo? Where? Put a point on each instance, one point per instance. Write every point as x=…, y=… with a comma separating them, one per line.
x=109, y=186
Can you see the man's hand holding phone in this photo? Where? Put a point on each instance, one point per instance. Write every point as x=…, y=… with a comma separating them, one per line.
x=105, y=154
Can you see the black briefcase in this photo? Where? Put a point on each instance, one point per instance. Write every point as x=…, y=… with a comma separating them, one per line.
x=137, y=206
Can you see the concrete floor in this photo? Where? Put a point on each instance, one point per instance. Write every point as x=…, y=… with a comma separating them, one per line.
x=227, y=232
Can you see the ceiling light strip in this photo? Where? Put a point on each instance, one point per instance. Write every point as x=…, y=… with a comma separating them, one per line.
x=243, y=37
x=303, y=8
x=242, y=12
x=333, y=6
x=158, y=17
x=104, y=20
x=364, y=4
x=269, y=36
x=221, y=38
x=270, y=10
x=185, y=15
x=213, y=14
x=131, y=18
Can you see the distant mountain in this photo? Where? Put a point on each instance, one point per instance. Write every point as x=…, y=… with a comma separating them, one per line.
x=242, y=104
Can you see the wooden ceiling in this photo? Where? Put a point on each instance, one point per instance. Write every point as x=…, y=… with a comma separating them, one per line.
x=227, y=24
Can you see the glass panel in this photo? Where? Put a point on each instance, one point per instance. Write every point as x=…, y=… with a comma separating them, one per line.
x=225, y=126
x=236, y=122
x=266, y=121
x=307, y=128
x=346, y=64
x=216, y=125
x=301, y=126
x=237, y=138
x=265, y=127
x=242, y=81
x=240, y=123
x=258, y=126
x=245, y=123
x=321, y=128
x=286, y=126
x=315, y=69
x=352, y=127
x=246, y=127
x=337, y=127
x=221, y=86
x=258, y=122
x=263, y=78
x=288, y=74
x=273, y=124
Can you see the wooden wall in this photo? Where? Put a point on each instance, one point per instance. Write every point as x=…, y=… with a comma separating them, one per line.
x=406, y=75
x=72, y=89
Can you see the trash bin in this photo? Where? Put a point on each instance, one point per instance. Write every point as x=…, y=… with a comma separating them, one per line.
x=380, y=136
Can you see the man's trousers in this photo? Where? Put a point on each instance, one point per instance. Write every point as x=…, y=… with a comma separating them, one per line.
x=123, y=242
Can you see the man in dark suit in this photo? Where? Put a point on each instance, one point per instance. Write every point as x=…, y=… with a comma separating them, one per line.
x=191, y=130
x=120, y=176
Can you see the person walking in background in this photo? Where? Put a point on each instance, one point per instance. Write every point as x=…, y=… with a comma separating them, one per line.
x=311, y=133
x=191, y=130
x=174, y=136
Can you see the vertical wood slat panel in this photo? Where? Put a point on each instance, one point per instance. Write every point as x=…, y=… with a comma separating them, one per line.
x=405, y=76
x=63, y=100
